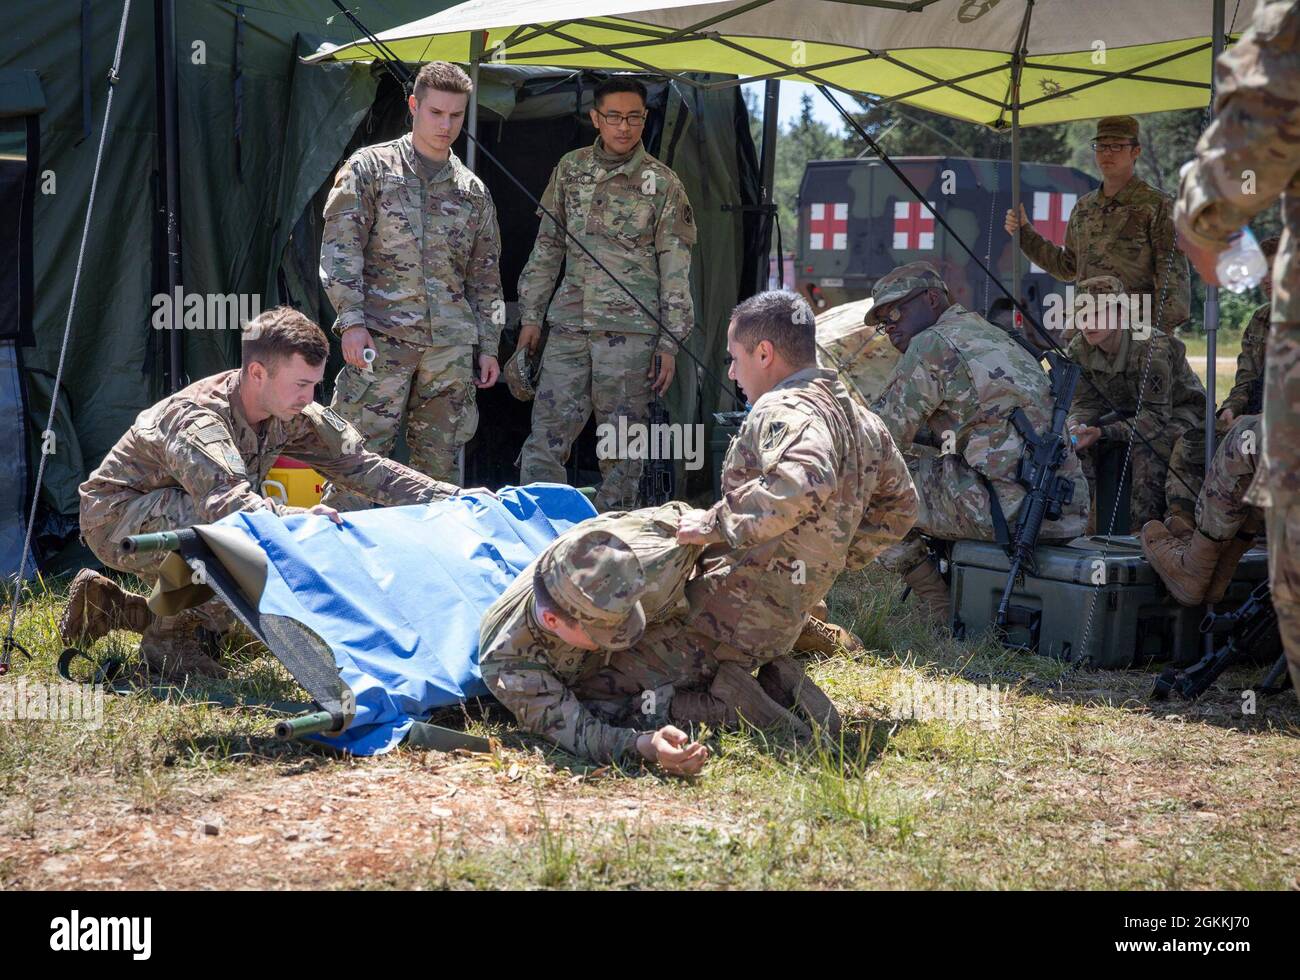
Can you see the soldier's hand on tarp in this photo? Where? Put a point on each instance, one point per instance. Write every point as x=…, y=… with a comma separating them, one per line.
x=488, y=371
x=673, y=750
x=530, y=334
x=477, y=492
x=662, y=372
x=355, y=342
x=325, y=510
x=1014, y=224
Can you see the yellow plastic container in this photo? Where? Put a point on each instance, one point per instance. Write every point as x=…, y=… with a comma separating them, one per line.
x=293, y=483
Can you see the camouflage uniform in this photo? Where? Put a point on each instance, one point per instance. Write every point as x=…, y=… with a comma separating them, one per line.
x=193, y=458
x=811, y=485
x=631, y=212
x=1129, y=236
x=1171, y=463
x=614, y=573
x=1247, y=394
x=860, y=355
x=411, y=252
x=1221, y=507
x=1258, y=129
x=961, y=379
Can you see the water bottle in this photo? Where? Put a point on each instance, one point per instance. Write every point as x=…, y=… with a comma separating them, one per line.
x=1242, y=265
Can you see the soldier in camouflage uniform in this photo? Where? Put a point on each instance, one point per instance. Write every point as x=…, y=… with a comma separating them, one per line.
x=201, y=454
x=1125, y=363
x=957, y=384
x=812, y=484
x=1257, y=130
x=563, y=648
x=410, y=260
x=1122, y=229
x=1247, y=394
x=1196, y=561
x=603, y=351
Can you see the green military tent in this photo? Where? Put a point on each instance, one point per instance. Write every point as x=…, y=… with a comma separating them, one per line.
x=217, y=121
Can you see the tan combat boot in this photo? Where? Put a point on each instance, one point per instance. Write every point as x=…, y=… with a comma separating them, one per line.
x=174, y=647
x=825, y=638
x=931, y=592
x=1226, y=566
x=1186, y=569
x=736, y=696
x=96, y=606
x=786, y=683
x=1180, y=526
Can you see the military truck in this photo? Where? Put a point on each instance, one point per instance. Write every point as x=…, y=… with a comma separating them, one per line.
x=857, y=221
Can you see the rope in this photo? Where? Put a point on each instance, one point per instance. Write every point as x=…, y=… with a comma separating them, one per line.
x=113, y=76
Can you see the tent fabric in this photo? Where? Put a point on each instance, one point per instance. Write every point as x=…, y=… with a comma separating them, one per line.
x=947, y=56
x=397, y=594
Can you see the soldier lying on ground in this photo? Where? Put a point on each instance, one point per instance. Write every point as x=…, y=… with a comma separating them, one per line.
x=590, y=649
x=960, y=379
x=201, y=454
x=1143, y=375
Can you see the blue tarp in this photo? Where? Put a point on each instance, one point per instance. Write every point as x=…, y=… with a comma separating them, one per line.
x=398, y=593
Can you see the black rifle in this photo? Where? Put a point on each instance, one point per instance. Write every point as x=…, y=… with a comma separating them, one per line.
x=1047, y=493
x=1251, y=628
x=658, y=475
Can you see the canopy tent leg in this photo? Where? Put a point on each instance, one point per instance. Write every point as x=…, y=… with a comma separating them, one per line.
x=1212, y=292
x=471, y=115
x=169, y=158
x=1017, y=67
x=767, y=174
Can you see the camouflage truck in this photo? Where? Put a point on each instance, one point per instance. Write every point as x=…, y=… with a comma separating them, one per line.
x=857, y=221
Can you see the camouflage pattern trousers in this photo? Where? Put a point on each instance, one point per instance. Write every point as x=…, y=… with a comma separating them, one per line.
x=168, y=509
x=432, y=386
x=1165, y=475
x=582, y=370
x=1283, y=526
x=1221, y=508
x=636, y=687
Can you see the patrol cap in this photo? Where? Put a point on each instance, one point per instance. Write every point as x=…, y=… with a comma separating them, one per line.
x=521, y=375
x=1108, y=286
x=1117, y=128
x=901, y=281
x=597, y=580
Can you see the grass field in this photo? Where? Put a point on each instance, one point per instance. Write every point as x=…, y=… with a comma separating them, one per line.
x=1064, y=778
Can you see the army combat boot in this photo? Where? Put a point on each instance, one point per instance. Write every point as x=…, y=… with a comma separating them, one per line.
x=1186, y=569
x=98, y=605
x=819, y=636
x=1226, y=566
x=786, y=683
x=177, y=646
x=931, y=592
x=1180, y=526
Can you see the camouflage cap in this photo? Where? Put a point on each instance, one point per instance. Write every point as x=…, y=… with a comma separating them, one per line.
x=521, y=375
x=596, y=578
x=1117, y=128
x=1096, y=285
x=901, y=281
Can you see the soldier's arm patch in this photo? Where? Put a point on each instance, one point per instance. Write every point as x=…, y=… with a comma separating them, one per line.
x=214, y=441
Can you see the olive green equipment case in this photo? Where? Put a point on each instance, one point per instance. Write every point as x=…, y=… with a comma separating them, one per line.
x=1094, y=600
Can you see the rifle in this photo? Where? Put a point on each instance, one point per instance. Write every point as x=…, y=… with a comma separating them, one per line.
x=658, y=475
x=1047, y=493
x=1250, y=627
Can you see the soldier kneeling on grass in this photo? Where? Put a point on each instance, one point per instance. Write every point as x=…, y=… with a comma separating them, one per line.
x=201, y=454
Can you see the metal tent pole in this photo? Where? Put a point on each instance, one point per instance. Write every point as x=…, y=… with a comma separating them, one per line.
x=1212, y=292
x=767, y=174
x=471, y=116
x=169, y=159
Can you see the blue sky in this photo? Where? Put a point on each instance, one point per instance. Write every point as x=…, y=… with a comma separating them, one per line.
x=791, y=92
